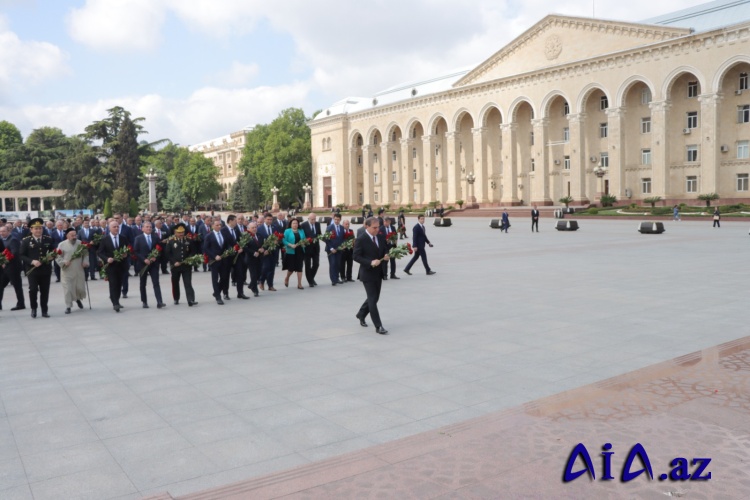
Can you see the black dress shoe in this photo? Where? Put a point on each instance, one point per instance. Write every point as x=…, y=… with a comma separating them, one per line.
x=57, y=280
x=256, y=294
x=243, y=296
x=18, y=308
x=33, y=313
x=311, y=285
x=161, y=306
x=333, y=284
x=116, y=308
x=395, y=278
x=79, y=304
x=349, y=279
x=177, y=302
x=67, y=310
x=385, y=278
x=220, y=302
x=93, y=279
x=407, y=272
x=45, y=315
x=339, y=282
x=314, y=283
x=431, y=272
x=191, y=304
x=226, y=297
x=145, y=306
x=381, y=330
x=124, y=295
x=361, y=320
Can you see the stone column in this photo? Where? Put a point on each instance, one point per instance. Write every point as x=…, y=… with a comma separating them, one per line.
x=308, y=204
x=275, y=193
x=367, y=171
x=407, y=176
x=354, y=169
x=709, y=150
x=428, y=180
x=453, y=166
x=389, y=166
x=478, y=188
x=153, y=206
x=2, y=203
x=578, y=160
x=659, y=151
x=510, y=168
x=41, y=204
x=540, y=191
x=616, y=151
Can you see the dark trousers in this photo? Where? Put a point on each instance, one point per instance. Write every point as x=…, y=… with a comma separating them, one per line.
x=125, y=278
x=186, y=274
x=312, y=263
x=220, y=278
x=716, y=223
x=347, y=262
x=57, y=270
x=93, y=264
x=12, y=276
x=163, y=262
x=238, y=272
x=534, y=224
x=418, y=253
x=115, y=275
x=334, y=266
x=153, y=271
x=384, y=266
x=370, y=306
x=254, y=266
x=39, y=285
x=268, y=268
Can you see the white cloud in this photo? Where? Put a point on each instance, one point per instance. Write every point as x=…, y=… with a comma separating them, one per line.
x=121, y=25
x=237, y=75
x=24, y=63
x=219, y=18
x=207, y=113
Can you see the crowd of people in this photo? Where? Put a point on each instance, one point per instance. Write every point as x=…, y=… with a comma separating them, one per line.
x=241, y=253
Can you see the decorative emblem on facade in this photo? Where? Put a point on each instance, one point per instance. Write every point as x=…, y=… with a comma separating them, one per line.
x=552, y=47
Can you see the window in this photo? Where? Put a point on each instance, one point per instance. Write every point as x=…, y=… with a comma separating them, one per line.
x=375, y=158
x=393, y=136
x=375, y=140
x=437, y=149
x=645, y=157
x=376, y=196
x=395, y=195
x=437, y=172
x=566, y=109
x=361, y=198
x=646, y=185
x=603, y=102
x=414, y=133
x=645, y=96
x=743, y=113
x=533, y=165
x=692, y=153
x=359, y=160
x=532, y=138
x=415, y=195
x=414, y=174
x=566, y=134
x=375, y=177
x=742, y=182
x=414, y=152
x=393, y=156
x=393, y=176
x=691, y=184
x=604, y=159
x=743, y=81
x=566, y=162
x=692, y=119
x=646, y=125
x=603, y=130
x=359, y=141
x=743, y=150
x=692, y=89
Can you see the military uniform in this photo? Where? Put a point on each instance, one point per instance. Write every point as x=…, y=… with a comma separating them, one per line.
x=35, y=249
x=177, y=250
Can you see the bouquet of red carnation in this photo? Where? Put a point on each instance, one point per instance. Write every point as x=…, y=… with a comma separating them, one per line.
x=132, y=253
x=153, y=254
x=400, y=251
x=80, y=251
x=392, y=238
x=226, y=253
x=273, y=241
x=119, y=255
x=96, y=239
x=193, y=237
x=46, y=259
x=205, y=258
x=244, y=240
x=326, y=236
x=306, y=241
x=6, y=257
x=194, y=260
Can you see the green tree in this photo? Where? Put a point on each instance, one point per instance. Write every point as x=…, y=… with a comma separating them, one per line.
x=174, y=201
x=126, y=160
x=80, y=175
x=10, y=136
x=32, y=165
x=133, y=209
x=198, y=178
x=107, y=209
x=120, y=201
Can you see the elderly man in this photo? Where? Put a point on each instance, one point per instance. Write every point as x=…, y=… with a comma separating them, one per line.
x=116, y=268
x=58, y=236
x=11, y=273
x=144, y=244
x=311, y=227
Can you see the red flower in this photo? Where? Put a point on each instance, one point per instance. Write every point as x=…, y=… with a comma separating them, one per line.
x=236, y=247
x=59, y=252
x=205, y=258
x=309, y=240
x=8, y=256
x=158, y=248
x=409, y=248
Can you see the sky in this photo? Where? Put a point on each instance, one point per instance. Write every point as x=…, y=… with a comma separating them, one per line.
x=200, y=69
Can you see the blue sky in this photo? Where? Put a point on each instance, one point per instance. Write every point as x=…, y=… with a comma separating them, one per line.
x=199, y=69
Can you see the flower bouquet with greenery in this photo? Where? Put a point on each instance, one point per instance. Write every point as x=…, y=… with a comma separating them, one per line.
x=400, y=251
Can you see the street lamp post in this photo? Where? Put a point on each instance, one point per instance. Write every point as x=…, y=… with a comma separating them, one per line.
x=308, y=191
x=599, y=171
x=472, y=201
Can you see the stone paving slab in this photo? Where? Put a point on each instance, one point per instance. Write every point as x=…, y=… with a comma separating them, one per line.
x=289, y=378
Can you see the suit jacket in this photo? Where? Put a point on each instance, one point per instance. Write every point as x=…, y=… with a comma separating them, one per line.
x=165, y=234
x=211, y=246
x=134, y=232
x=383, y=232
x=176, y=250
x=312, y=248
x=30, y=250
x=263, y=233
x=126, y=231
x=57, y=238
x=231, y=236
x=534, y=214
x=336, y=241
x=21, y=232
x=365, y=252
x=289, y=240
x=253, y=246
x=419, y=237
x=13, y=245
x=92, y=231
x=142, y=249
x=107, y=250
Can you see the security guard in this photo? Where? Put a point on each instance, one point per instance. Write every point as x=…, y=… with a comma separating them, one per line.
x=34, y=250
x=178, y=248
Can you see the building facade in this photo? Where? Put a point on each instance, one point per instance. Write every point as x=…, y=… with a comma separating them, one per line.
x=572, y=107
x=225, y=152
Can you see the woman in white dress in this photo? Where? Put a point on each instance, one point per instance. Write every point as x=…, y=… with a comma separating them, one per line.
x=73, y=274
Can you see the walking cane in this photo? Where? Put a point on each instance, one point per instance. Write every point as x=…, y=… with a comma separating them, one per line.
x=88, y=294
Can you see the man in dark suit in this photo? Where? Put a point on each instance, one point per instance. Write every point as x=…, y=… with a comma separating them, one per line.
x=12, y=271
x=420, y=238
x=127, y=232
x=176, y=251
x=332, y=245
x=143, y=245
x=253, y=257
x=214, y=245
x=311, y=228
x=268, y=266
x=58, y=236
x=33, y=249
x=86, y=233
x=203, y=230
x=116, y=269
x=370, y=252
x=347, y=256
x=19, y=231
x=386, y=231
x=236, y=267
x=534, y=219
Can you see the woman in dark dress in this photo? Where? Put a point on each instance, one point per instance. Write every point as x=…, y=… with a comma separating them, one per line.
x=294, y=259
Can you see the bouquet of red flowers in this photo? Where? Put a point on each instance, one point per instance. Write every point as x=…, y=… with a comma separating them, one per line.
x=226, y=253
x=80, y=251
x=326, y=236
x=6, y=257
x=96, y=239
x=194, y=260
x=392, y=238
x=242, y=243
x=46, y=259
x=193, y=237
x=132, y=253
x=153, y=254
x=348, y=243
x=119, y=255
x=273, y=241
x=305, y=241
x=400, y=251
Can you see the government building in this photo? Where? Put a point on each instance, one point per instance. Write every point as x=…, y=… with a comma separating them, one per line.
x=573, y=107
x=225, y=152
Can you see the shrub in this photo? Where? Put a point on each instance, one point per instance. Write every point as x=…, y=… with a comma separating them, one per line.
x=460, y=203
x=653, y=200
x=566, y=200
x=593, y=211
x=708, y=198
x=608, y=200
x=107, y=209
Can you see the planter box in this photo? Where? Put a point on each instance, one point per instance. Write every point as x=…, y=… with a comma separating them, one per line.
x=326, y=220
x=651, y=228
x=444, y=222
x=567, y=225
x=495, y=223
x=357, y=220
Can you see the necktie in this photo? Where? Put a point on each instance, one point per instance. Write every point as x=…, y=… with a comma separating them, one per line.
x=220, y=239
x=312, y=226
x=374, y=240
x=337, y=230
x=148, y=240
x=192, y=229
x=117, y=243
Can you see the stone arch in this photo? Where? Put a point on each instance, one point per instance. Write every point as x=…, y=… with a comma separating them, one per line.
x=513, y=108
x=678, y=72
x=433, y=120
x=724, y=68
x=586, y=92
x=485, y=111
x=458, y=116
x=410, y=126
x=622, y=92
x=371, y=133
x=548, y=99
x=353, y=137
x=389, y=130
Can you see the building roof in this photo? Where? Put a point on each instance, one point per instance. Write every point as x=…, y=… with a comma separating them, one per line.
x=212, y=143
x=699, y=18
x=706, y=16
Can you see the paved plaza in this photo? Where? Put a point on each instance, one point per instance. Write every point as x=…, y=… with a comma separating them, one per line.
x=103, y=405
